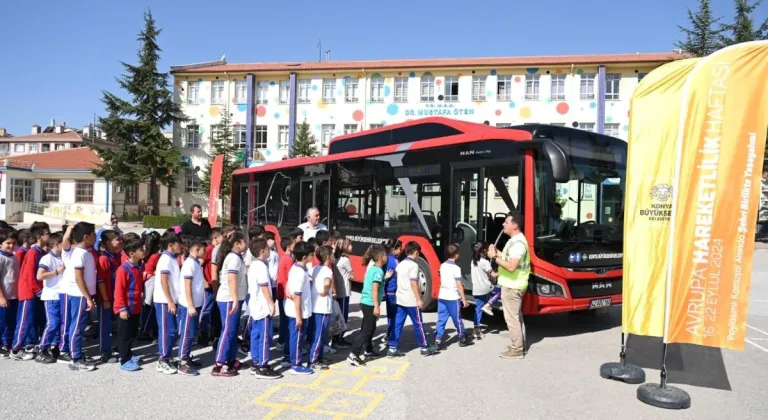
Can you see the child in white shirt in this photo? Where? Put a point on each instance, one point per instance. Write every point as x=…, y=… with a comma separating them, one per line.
x=49, y=271
x=482, y=288
x=298, y=306
x=451, y=299
x=232, y=289
x=322, y=305
x=191, y=298
x=262, y=310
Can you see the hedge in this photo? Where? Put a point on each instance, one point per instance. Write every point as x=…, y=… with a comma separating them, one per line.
x=164, y=222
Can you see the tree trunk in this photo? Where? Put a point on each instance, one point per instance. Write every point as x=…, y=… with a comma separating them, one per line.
x=154, y=197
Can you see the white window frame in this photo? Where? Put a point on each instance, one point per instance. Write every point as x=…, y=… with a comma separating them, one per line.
x=613, y=86
x=504, y=88
x=241, y=91
x=532, y=87
x=326, y=134
x=262, y=92
x=374, y=126
x=192, y=136
x=49, y=190
x=427, y=91
x=305, y=91
x=401, y=89
x=285, y=91
x=611, y=129
x=191, y=180
x=218, y=92
x=19, y=148
x=557, y=87
x=260, y=137
x=239, y=136
x=81, y=191
x=587, y=126
x=350, y=128
x=377, y=89
x=587, y=86
x=193, y=92
x=33, y=148
x=479, y=88
x=351, y=90
x=282, y=136
x=558, y=124
x=329, y=91
x=59, y=146
x=450, y=82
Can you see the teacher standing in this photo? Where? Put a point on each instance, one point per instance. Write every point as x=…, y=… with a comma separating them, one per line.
x=197, y=227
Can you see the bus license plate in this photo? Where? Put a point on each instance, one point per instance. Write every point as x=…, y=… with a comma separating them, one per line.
x=599, y=303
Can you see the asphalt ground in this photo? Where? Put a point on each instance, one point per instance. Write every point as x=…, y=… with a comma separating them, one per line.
x=558, y=379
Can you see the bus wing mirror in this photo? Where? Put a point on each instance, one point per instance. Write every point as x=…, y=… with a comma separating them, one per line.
x=558, y=159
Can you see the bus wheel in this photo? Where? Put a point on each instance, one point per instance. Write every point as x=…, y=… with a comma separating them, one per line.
x=425, y=285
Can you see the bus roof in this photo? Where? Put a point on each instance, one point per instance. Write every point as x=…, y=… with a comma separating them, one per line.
x=374, y=142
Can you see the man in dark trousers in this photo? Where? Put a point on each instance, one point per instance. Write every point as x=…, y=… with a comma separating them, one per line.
x=197, y=227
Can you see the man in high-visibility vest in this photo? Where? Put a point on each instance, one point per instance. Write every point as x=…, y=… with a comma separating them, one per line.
x=514, y=269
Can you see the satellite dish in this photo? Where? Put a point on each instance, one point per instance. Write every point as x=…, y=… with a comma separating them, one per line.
x=223, y=58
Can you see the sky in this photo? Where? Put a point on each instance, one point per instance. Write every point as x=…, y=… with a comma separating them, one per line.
x=56, y=57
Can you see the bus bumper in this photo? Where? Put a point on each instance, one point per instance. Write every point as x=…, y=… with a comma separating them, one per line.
x=539, y=305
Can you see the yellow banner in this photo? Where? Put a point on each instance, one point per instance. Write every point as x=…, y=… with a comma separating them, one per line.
x=716, y=197
x=653, y=130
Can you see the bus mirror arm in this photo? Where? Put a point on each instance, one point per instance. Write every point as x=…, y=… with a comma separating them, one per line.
x=558, y=159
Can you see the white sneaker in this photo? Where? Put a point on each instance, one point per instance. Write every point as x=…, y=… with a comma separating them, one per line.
x=487, y=309
x=165, y=368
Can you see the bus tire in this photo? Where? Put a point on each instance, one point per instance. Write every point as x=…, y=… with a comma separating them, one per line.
x=429, y=304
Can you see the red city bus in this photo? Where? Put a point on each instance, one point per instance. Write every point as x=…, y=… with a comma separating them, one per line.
x=438, y=181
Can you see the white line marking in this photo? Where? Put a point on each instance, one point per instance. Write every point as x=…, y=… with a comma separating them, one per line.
x=756, y=345
x=758, y=339
x=757, y=329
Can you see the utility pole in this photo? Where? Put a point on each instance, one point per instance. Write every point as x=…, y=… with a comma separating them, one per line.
x=319, y=50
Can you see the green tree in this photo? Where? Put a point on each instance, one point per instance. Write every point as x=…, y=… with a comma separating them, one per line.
x=222, y=144
x=304, y=144
x=743, y=27
x=142, y=153
x=702, y=38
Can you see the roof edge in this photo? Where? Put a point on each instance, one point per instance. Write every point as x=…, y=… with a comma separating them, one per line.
x=194, y=66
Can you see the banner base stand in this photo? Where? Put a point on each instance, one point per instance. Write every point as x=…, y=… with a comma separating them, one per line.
x=623, y=372
x=668, y=397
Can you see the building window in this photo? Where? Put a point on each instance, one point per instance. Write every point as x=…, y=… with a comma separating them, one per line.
x=21, y=190
x=587, y=86
x=451, y=89
x=84, y=191
x=587, y=127
x=241, y=91
x=329, y=91
x=191, y=182
x=282, y=137
x=50, y=193
x=193, y=136
x=532, y=87
x=427, y=89
x=557, y=92
x=217, y=92
x=503, y=125
x=612, y=86
x=377, y=89
x=32, y=148
x=326, y=134
x=238, y=134
x=305, y=87
x=612, y=129
x=478, y=88
x=59, y=146
x=401, y=89
x=4, y=149
x=260, y=137
x=285, y=91
x=19, y=148
x=372, y=126
x=132, y=194
x=350, y=128
x=558, y=124
x=262, y=89
x=46, y=147
x=504, y=88
x=193, y=93
x=350, y=90
x=640, y=76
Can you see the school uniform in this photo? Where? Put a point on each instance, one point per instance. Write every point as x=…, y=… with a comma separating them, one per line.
x=9, y=276
x=247, y=261
x=298, y=285
x=407, y=305
x=166, y=321
x=261, y=319
x=390, y=290
x=448, y=300
x=374, y=274
x=481, y=286
x=31, y=311
x=52, y=301
x=191, y=272
x=321, y=310
x=230, y=324
x=78, y=259
x=344, y=267
x=106, y=268
x=129, y=285
x=283, y=268
x=208, y=298
x=148, y=322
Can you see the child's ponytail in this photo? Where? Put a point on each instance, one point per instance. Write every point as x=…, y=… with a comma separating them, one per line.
x=226, y=248
x=478, y=252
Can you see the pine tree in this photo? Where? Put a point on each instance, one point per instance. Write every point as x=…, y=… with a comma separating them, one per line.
x=702, y=38
x=743, y=27
x=305, y=143
x=142, y=153
x=222, y=144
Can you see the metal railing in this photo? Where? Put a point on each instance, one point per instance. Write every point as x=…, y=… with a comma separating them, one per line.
x=45, y=209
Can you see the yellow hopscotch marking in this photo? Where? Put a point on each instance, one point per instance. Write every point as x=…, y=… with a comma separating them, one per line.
x=331, y=393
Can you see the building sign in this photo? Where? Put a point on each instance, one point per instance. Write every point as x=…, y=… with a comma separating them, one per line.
x=438, y=110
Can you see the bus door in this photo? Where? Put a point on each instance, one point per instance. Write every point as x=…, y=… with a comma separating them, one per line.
x=248, y=196
x=315, y=192
x=465, y=217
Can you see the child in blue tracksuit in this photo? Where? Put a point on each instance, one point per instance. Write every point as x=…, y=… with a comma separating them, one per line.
x=9, y=299
x=321, y=305
x=298, y=306
x=50, y=272
x=262, y=310
x=451, y=299
x=482, y=287
x=233, y=287
x=394, y=249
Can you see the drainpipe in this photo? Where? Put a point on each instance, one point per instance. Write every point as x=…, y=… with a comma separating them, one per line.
x=601, y=99
x=249, y=119
x=365, y=100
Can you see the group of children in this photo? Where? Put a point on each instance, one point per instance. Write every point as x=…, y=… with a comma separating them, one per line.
x=186, y=291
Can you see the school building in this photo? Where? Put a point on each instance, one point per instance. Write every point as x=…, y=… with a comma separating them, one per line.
x=268, y=101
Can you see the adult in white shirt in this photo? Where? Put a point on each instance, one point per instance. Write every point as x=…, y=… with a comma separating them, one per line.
x=312, y=225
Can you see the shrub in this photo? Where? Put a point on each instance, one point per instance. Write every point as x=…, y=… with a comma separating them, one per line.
x=164, y=222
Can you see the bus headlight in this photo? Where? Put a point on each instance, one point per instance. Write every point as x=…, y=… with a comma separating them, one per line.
x=546, y=288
